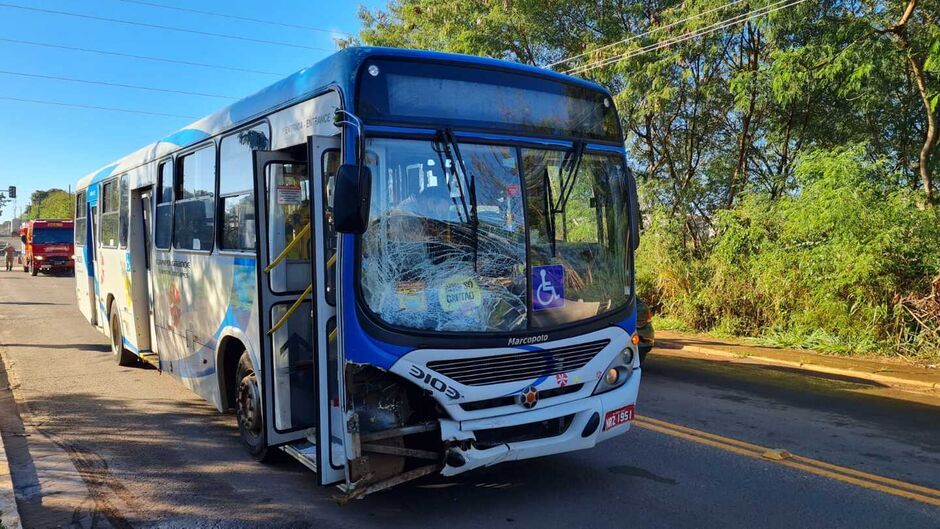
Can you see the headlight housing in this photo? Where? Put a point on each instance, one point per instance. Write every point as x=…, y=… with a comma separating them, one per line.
x=618, y=372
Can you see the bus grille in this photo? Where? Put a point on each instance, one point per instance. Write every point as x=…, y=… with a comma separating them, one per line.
x=497, y=369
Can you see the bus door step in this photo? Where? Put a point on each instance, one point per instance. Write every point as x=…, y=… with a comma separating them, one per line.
x=150, y=357
x=303, y=451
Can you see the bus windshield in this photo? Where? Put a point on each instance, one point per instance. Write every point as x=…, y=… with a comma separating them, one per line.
x=52, y=236
x=493, y=238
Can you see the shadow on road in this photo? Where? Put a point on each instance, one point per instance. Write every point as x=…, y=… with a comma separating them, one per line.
x=29, y=303
x=197, y=450
x=908, y=417
x=90, y=347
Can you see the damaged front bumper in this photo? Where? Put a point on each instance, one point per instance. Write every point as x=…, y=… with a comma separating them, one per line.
x=553, y=429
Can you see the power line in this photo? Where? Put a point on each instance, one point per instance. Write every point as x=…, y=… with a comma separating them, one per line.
x=744, y=17
x=166, y=28
x=93, y=107
x=645, y=33
x=707, y=30
x=737, y=19
x=140, y=57
x=235, y=17
x=118, y=85
x=604, y=61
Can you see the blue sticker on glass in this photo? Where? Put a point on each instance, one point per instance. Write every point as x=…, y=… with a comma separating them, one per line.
x=548, y=287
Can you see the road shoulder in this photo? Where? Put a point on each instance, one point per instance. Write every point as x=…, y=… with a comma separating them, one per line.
x=885, y=372
x=9, y=515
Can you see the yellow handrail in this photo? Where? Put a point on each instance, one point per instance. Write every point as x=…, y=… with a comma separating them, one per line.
x=331, y=261
x=280, y=323
x=299, y=237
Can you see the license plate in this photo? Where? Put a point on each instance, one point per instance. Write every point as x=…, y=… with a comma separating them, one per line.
x=618, y=416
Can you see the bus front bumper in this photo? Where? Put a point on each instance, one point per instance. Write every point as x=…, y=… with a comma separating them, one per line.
x=574, y=425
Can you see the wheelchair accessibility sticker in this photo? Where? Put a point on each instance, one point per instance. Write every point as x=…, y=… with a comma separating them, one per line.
x=548, y=287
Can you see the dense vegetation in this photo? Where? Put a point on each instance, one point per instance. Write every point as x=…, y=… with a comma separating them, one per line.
x=44, y=204
x=788, y=162
x=49, y=204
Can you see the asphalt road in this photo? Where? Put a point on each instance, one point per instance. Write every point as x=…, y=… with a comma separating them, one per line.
x=97, y=445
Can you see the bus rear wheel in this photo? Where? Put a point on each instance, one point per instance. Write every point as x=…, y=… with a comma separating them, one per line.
x=122, y=356
x=248, y=411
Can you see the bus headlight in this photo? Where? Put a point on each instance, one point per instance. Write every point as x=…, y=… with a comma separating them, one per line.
x=613, y=375
x=617, y=372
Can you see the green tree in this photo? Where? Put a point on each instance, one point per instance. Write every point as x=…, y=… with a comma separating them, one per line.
x=719, y=126
x=49, y=204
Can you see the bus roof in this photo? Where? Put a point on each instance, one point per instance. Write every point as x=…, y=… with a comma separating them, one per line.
x=339, y=69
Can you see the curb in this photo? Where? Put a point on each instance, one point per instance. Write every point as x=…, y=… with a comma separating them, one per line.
x=9, y=516
x=903, y=383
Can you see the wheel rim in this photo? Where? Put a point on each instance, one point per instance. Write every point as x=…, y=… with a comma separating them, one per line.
x=248, y=406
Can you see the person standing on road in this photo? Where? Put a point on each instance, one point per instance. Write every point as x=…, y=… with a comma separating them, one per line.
x=10, y=252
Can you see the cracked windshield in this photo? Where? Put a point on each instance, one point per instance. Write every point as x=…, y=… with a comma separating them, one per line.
x=446, y=245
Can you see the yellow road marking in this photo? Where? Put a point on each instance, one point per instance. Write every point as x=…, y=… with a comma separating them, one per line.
x=813, y=466
x=762, y=451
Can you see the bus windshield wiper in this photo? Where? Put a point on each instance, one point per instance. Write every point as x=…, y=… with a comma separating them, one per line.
x=468, y=178
x=572, y=163
x=443, y=150
x=449, y=142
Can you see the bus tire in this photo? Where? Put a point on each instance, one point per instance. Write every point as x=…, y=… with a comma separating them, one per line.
x=248, y=411
x=122, y=356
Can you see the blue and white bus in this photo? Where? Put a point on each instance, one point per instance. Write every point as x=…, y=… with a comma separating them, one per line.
x=391, y=264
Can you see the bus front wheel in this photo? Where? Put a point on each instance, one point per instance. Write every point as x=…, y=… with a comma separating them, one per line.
x=248, y=410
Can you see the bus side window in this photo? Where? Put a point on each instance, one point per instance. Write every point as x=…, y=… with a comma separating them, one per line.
x=80, y=220
x=194, y=207
x=236, y=187
x=109, y=214
x=164, y=214
x=330, y=164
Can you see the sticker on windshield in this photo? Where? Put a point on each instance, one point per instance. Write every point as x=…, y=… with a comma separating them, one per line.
x=460, y=292
x=548, y=287
x=411, y=296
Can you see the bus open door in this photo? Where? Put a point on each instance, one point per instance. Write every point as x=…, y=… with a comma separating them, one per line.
x=90, y=254
x=299, y=383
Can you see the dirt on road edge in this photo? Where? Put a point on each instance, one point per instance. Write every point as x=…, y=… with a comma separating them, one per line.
x=9, y=515
x=906, y=378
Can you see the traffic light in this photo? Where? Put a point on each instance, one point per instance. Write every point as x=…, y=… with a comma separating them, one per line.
x=12, y=192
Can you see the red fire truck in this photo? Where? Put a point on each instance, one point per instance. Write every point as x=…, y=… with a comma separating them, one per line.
x=48, y=246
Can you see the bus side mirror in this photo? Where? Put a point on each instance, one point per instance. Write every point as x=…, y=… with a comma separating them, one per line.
x=352, y=198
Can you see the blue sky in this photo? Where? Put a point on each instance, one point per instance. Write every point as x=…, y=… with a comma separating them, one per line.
x=50, y=146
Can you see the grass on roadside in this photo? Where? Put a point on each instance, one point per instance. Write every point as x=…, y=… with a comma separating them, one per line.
x=668, y=323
